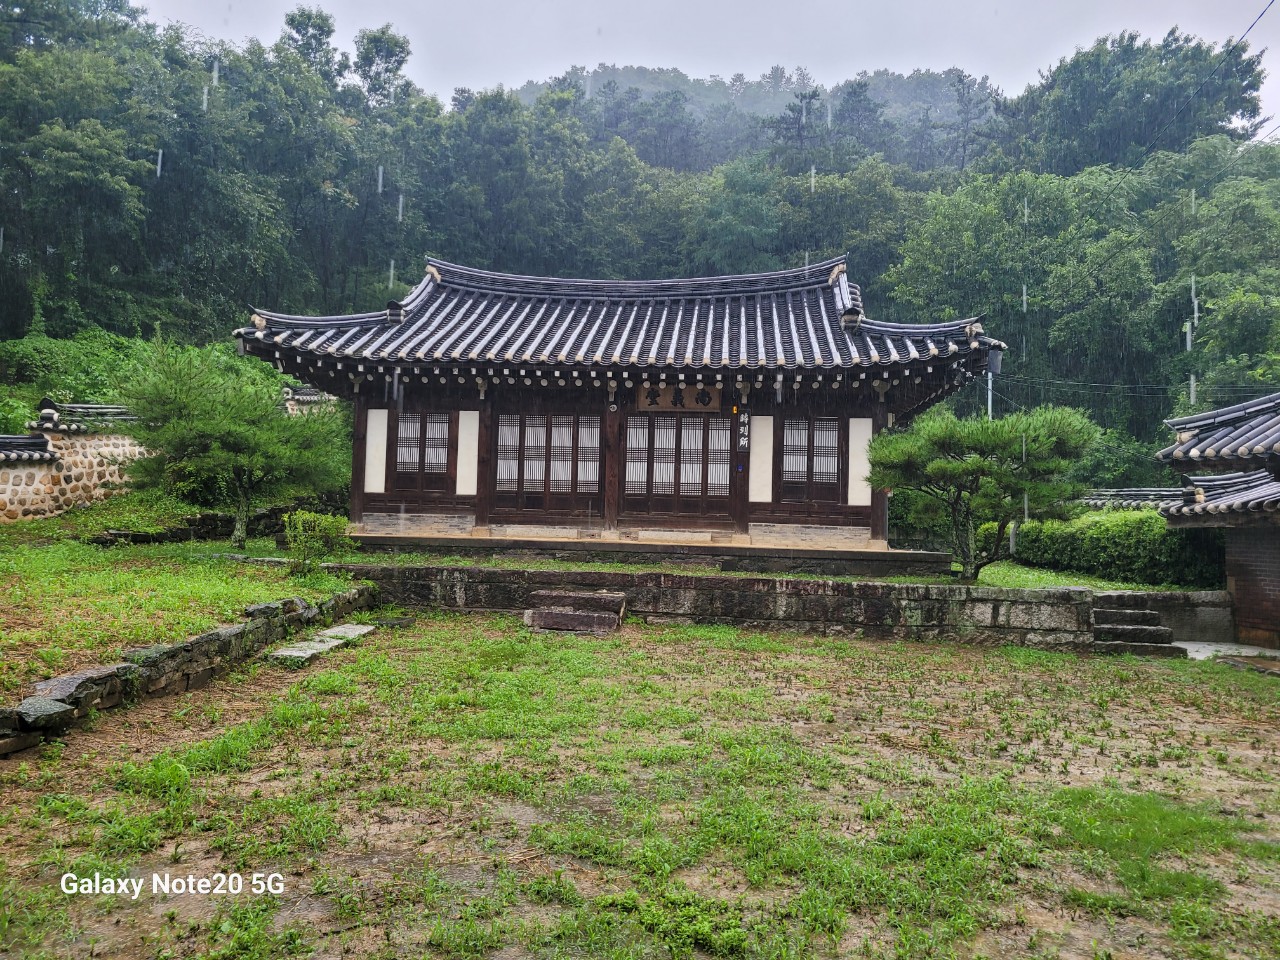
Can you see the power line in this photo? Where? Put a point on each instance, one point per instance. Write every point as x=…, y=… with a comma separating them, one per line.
x=1221, y=60
x=1086, y=385
x=1101, y=443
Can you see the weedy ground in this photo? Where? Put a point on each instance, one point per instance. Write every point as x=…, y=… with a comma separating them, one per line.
x=466, y=788
x=66, y=605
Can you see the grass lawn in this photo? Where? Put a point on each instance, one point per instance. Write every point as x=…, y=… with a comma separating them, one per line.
x=65, y=604
x=466, y=788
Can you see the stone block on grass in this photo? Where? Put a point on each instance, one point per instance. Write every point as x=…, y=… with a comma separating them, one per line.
x=44, y=713
x=14, y=742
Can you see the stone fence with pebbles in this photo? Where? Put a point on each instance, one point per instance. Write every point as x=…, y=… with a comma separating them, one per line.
x=84, y=467
x=164, y=669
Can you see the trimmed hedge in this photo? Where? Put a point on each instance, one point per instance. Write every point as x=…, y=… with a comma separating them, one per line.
x=1131, y=545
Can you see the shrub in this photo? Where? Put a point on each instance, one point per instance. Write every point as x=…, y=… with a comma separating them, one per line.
x=313, y=537
x=1132, y=545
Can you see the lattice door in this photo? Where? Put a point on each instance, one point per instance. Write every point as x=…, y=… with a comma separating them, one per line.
x=810, y=460
x=548, y=462
x=677, y=464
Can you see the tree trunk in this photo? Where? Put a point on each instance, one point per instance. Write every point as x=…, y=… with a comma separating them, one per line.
x=240, y=533
x=964, y=539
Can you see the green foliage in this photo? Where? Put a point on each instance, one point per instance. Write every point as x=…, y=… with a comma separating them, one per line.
x=81, y=369
x=977, y=470
x=1106, y=103
x=269, y=193
x=1118, y=460
x=219, y=435
x=313, y=537
x=1137, y=546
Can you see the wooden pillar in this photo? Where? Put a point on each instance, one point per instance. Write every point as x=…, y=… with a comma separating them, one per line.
x=879, y=499
x=611, y=441
x=486, y=475
x=739, y=508
x=357, y=460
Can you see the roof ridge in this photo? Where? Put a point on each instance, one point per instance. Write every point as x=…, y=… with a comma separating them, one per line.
x=815, y=274
x=1248, y=408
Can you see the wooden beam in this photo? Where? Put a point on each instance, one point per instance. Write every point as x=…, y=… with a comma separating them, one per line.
x=357, y=461
x=486, y=474
x=879, y=499
x=611, y=441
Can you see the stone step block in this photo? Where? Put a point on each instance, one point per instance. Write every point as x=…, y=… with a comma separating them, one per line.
x=596, y=601
x=1131, y=633
x=1119, y=600
x=1142, y=649
x=579, y=621
x=1141, y=618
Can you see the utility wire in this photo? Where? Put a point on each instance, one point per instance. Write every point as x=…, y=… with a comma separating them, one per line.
x=1085, y=385
x=1106, y=446
x=1156, y=139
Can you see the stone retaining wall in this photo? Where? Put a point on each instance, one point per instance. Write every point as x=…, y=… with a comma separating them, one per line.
x=163, y=669
x=1197, y=616
x=86, y=468
x=1059, y=619
x=266, y=522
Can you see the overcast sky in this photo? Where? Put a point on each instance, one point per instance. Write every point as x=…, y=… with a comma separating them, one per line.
x=483, y=44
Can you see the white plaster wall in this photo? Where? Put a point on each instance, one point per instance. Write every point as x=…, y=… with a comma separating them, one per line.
x=859, y=466
x=760, y=462
x=375, y=452
x=468, y=452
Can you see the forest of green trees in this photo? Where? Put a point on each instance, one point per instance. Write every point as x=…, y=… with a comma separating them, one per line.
x=151, y=179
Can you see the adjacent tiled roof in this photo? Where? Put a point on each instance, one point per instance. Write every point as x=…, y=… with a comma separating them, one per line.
x=77, y=417
x=307, y=395
x=1246, y=431
x=809, y=318
x=1131, y=498
x=24, y=447
x=1254, y=491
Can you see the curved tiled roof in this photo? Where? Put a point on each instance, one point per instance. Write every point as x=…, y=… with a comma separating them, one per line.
x=1245, y=431
x=77, y=417
x=803, y=319
x=1254, y=491
x=1131, y=498
x=24, y=447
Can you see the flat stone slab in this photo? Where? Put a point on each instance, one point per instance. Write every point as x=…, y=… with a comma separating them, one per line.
x=1199, y=650
x=303, y=653
x=43, y=713
x=347, y=631
x=397, y=622
x=1267, y=665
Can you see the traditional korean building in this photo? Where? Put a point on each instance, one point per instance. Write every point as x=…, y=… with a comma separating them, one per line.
x=712, y=403
x=1241, y=446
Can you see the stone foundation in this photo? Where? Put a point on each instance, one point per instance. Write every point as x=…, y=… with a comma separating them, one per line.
x=87, y=467
x=1059, y=619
